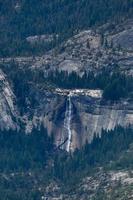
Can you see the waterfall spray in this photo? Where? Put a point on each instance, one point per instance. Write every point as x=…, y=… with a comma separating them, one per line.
x=67, y=122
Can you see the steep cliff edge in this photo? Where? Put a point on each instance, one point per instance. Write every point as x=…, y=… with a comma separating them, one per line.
x=73, y=116
x=8, y=108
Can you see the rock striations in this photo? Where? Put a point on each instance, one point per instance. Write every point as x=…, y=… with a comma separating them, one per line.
x=73, y=116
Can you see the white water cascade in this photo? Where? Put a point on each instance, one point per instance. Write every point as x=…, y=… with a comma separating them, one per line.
x=67, y=122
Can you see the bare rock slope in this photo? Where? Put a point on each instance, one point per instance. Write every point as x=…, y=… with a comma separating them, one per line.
x=76, y=115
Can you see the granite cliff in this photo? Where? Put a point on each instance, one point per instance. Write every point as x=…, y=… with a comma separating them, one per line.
x=72, y=115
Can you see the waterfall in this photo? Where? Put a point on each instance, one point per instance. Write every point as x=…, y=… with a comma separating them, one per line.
x=67, y=122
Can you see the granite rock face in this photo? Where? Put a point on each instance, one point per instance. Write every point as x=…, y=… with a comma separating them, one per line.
x=106, y=47
x=89, y=115
x=8, y=109
x=72, y=115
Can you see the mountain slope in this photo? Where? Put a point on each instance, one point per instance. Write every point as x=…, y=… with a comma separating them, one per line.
x=66, y=99
x=100, y=170
x=23, y=18
x=35, y=81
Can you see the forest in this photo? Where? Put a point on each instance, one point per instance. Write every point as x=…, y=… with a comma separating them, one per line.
x=31, y=161
x=23, y=18
x=114, y=86
x=24, y=152
x=22, y=155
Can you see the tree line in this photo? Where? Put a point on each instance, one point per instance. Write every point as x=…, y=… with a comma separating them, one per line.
x=114, y=86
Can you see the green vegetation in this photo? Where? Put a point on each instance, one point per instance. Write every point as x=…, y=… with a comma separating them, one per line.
x=65, y=18
x=21, y=152
x=118, y=86
x=29, y=162
x=115, y=86
x=32, y=160
x=100, y=152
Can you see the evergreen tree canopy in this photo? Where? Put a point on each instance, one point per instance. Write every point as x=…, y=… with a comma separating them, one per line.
x=35, y=17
